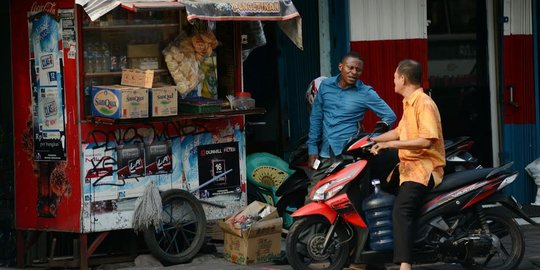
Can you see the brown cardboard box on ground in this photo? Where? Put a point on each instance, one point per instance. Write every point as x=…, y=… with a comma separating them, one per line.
x=260, y=242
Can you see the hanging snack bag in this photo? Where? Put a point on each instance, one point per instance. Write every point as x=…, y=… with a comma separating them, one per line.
x=183, y=57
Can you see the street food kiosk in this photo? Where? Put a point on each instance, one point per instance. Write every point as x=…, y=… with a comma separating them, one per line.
x=114, y=97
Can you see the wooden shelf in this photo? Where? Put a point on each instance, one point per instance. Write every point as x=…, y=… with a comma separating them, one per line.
x=181, y=116
x=129, y=27
x=119, y=73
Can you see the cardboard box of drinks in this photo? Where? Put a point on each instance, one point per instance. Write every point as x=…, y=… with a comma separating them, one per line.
x=125, y=102
x=119, y=101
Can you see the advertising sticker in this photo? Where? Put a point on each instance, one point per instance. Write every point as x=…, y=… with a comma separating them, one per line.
x=47, y=88
x=219, y=169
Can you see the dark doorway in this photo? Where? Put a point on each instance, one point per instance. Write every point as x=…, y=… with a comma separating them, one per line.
x=7, y=198
x=458, y=71
x=277, y=75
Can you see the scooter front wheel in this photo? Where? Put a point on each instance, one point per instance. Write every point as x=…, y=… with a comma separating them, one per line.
x=305, y=240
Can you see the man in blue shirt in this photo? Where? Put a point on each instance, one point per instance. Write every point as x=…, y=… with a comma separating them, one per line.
x=340, y=104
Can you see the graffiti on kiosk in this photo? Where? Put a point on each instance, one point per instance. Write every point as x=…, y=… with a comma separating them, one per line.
x=164, y=153
x=108, y=142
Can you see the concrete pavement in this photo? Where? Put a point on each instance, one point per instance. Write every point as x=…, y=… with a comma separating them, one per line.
x=531, y=260
x=215, y=261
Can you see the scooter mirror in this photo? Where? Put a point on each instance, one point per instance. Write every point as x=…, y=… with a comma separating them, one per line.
x=381, y=127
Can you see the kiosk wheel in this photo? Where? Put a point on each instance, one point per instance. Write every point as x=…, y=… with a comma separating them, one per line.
x=181, y=234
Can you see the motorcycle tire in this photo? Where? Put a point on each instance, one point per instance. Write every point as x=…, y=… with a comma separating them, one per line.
x=182, y=232
x=305, y=239
x=512, y=244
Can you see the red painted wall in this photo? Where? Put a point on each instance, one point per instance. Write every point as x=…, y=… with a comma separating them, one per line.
x=381, y=59
x=518, y=72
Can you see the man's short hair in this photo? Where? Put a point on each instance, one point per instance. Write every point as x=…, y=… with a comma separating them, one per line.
x=352, y=54
x=412, y=70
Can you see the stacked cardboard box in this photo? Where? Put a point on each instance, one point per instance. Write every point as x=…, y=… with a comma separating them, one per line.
x=119, y=101
x=163, y=100
x=137, y=97
x=143, y=56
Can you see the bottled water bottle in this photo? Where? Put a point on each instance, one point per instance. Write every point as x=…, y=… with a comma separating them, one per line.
x=106, y=62
x=98, y=58
x=378, y=208
x=88, y=58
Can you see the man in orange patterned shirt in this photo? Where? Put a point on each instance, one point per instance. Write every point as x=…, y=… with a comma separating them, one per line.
x=418, y=138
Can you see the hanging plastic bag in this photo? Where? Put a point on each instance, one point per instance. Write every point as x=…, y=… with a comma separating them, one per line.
x=182, y=64
x=183, y=57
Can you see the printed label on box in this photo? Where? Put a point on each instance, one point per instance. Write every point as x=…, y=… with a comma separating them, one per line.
x=130, y=160
x=164, y=101
x=158, y=158
x=106, y=102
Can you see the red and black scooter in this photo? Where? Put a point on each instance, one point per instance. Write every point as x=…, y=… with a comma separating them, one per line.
x=464, y=220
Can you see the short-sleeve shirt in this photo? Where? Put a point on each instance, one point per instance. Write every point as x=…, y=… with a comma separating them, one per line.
x=421, y=119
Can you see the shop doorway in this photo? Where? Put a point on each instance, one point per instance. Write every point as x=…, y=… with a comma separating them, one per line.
x=458, y=71
x=277, y=75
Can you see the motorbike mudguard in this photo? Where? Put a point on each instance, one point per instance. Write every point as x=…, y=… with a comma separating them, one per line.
x=316, y=208
x=511, y=205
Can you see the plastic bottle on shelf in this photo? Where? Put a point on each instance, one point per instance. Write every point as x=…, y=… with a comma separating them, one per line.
x=378, y=208
x=243, y=101
x=88, y=58
x=98, y=58
x=115, y=65
x=106, y=61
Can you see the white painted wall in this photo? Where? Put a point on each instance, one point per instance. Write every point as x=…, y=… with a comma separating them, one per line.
x=520, y=17
x=388, y=19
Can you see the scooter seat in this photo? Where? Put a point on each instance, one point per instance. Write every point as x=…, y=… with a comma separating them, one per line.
x=458, y=179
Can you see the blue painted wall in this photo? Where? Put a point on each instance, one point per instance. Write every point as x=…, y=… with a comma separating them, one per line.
x=521, y=144
x=296, y=70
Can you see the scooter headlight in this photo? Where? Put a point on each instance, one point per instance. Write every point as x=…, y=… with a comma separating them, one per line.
x=327, y=191
x=332, y=187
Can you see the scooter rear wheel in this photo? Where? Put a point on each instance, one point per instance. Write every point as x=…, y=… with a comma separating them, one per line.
x=510, y=249
x=305, y=241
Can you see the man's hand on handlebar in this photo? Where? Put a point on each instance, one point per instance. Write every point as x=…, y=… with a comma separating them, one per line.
x=378, y=147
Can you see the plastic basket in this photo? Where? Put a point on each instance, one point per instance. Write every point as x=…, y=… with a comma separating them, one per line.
x=199, y=105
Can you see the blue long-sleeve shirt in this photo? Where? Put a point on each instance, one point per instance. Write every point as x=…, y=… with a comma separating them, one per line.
x=336, y=112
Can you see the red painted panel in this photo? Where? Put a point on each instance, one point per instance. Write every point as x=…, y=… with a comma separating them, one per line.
x=381, y=59
x=27, y=172
x=518, y=72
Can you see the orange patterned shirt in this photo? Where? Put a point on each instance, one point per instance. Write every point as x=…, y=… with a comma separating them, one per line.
x=421, y=119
